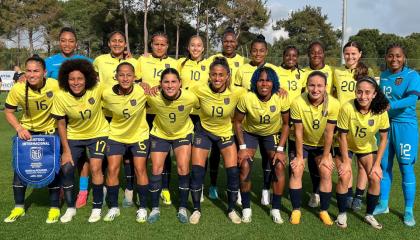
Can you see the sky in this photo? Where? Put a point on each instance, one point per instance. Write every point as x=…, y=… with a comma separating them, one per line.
x=400, y=17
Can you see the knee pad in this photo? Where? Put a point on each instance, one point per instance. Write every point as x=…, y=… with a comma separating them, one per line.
x=197, y=177
x=233, y=179
x=155, y=182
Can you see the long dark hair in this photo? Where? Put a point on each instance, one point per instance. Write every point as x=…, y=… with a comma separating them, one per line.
x=380, y=103
x=222, y=61
x=325, y=102
x=189, y=57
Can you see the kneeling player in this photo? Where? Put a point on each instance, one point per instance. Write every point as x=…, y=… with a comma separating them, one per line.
x=358, y=123
x=262, y=108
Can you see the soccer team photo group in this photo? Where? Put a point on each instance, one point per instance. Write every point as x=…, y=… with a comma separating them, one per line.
x=152, y=140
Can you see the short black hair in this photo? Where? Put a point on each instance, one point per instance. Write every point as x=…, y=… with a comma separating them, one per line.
x=82, y=65
x=67, y=29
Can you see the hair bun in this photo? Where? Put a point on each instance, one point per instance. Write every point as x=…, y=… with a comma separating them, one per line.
x=261, y=37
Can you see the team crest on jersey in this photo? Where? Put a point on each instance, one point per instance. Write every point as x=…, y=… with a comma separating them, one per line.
x=91, y=101
x=236, y=64
x=226, y=101
x=167, y=65
x=273, y=108
x=36, y=153
x=181, y=108
x=133, y=102
x=371, y=122
x=398, y=81
x=50, y=94
x=203, y=68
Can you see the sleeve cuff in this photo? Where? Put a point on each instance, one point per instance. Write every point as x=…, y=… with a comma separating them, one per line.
x=237, y=109
x=57, y=117
x=296, y=120
x=341, y=130
x=384, y=130
x=8, y=106
x=332, y=121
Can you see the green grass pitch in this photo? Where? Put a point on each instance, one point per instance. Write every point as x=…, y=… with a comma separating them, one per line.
x=214, y=223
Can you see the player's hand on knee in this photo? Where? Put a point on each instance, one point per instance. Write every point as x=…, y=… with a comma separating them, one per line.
x=66, y=158
x=280, y=157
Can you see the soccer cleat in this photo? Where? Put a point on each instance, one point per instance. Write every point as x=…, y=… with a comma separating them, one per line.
x=128, y=198
x=265, y=197
x=373, y=222
x=154, y=215
x=325, y=217
x=341, y=220
x=202, y=194
x=314, y=200
x=195, y=217
x=68, y=215
x=409, y=219
x=141, y=216
x=246, y=215
x=213, y=192
x=166, y=197
x=295, y=217
x=16, y=213
x=182, y=215
x=234, y=217
x=349, y=202
x=53, y=215
x=112, y=214
x=239, y=199
x=356, y=205
x=380, y=209
x=275, y=215
x=95, y=215
x=81, y=199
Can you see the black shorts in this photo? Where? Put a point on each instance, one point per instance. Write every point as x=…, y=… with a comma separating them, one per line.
x=95, y=146
x=309, y=152
x=204, y=139
x=139, y=149
x=350, y=153
x=269, y=142
x=163, y=145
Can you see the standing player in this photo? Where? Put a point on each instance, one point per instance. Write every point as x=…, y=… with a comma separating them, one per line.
x=314, y=115
x=290, y=75
x=217, y=102
x=358, y=123
x=259, y=116
x=259, y=51
x=105, y=65
x=35, y=96
x=128, y=133
x=317, y=63
x=149, y=71
x=172, y=128
x=81, y=126
x=401, y=86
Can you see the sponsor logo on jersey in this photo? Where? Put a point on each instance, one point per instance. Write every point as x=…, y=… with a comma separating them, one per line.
x=398, y=81
x=226, y=101
x=133, y=102
x=50, y=94
x=273, y=108
x=181, y=108
x=371, y=122
x=91, y=100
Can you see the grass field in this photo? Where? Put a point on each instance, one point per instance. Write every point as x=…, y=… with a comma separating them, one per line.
x=213, y=225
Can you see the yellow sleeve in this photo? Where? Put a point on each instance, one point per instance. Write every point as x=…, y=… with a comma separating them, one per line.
x=343, y=119
x=295, y=112
x=384, y=123
x=138, y=69
x=285, y=104
x=12, y=98
x=333, y=110
x=242, y=104
x=238, y=77
x=95, y=65
x=58, y=107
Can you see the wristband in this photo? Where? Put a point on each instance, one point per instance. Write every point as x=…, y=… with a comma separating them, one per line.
x=280, y=149
x=242, y=146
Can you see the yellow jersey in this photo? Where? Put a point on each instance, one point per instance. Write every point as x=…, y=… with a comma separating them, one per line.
x=106, y=65
x=86, y=119
x=216, y=109
x=292, y=81
x=361, y=128
x=302, y=111
x=193, y=72
x=172, y=120
x=128, y=124
x=234, y=63
x=149, y=69
x=262, y=118
x=244, y=74
x=37, y=117
x=327, y=70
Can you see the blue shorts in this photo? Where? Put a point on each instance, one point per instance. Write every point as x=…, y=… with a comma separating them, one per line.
x=139, y=149
x=204, y=139
x=162, y=145
x=95, y=146
x=337, y=152
x=269, y=142
x=309, y=152
x=403, y=142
